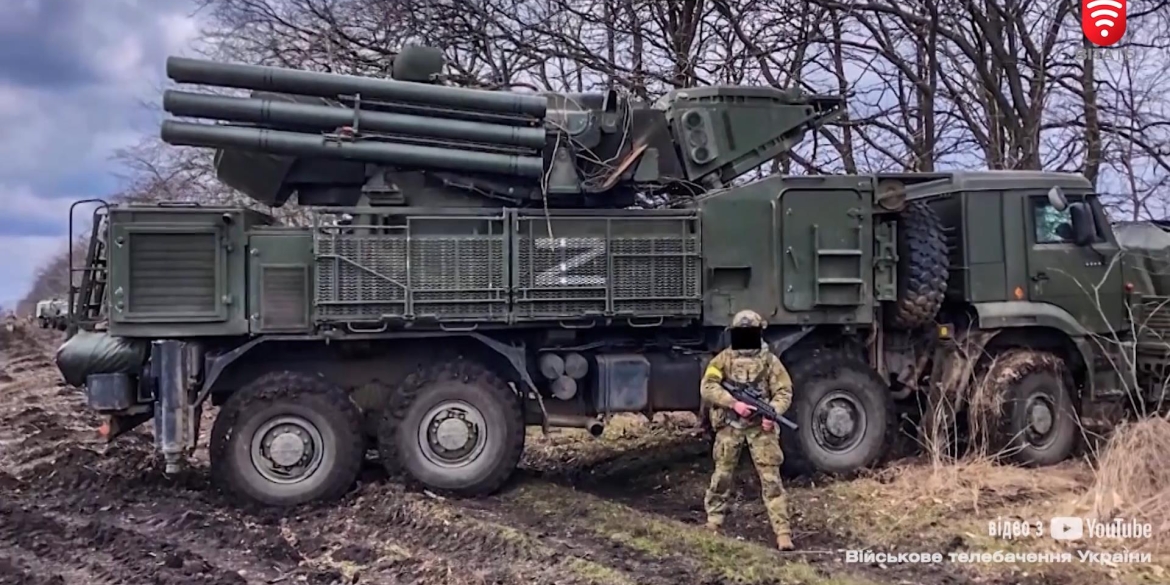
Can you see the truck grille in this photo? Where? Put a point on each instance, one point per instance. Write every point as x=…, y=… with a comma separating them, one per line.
x=172, y=273
x=1152, y=324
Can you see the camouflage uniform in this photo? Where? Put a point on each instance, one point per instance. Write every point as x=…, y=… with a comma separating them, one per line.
x=763, y=368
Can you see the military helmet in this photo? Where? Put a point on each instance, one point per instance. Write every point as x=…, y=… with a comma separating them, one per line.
x=748, y=319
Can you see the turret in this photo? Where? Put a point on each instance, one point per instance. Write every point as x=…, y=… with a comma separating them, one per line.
x=336, y=140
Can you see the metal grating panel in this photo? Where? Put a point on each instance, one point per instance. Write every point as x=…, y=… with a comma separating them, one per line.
x=656, y=275
x=367, y=277
x=172, y=273
x=282, y=298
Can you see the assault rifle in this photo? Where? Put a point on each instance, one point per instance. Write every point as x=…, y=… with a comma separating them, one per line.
x=751, y=396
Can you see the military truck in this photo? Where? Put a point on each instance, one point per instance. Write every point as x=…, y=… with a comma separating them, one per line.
x=478, y=261
x=52, y=313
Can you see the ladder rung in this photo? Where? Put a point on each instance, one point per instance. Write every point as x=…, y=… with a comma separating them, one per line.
x=840, y=281
x=838, y=252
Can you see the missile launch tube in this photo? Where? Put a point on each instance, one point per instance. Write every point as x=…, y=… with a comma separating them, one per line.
x=298, y=144
x=296, y=81
x=267, y=111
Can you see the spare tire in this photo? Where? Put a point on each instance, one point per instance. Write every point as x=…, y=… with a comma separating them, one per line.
x=923, y=263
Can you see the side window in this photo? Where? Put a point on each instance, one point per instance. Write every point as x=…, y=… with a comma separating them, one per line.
x=1051, y=226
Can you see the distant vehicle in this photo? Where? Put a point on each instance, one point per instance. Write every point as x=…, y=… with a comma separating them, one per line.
x=52, y=314
x=485, y=260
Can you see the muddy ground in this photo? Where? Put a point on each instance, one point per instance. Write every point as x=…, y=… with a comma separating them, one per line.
x=623, y=509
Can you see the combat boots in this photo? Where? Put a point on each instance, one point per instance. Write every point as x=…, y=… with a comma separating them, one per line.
x=784, y=542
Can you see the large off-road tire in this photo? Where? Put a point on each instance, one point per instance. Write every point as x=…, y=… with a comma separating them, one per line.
x=455, y=428
x=285, y=439
x=923, y=262
x=844, y=411
x=1037, y=425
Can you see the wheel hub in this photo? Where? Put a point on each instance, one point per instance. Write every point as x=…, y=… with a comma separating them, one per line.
x=452, y=433
x=287, y=449
x=1040, y=416
x=839, y=421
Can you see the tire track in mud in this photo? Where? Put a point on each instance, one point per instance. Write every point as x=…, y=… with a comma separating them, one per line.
x=107, y=514
x=171, y=512
x=441, y=532
x=94, y=553
x=432, y=543
x=19, y=569
x=80, y=488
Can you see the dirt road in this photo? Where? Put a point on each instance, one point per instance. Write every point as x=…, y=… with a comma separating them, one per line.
x=625, y=509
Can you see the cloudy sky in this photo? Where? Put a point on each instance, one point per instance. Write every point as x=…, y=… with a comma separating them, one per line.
x=74, y=78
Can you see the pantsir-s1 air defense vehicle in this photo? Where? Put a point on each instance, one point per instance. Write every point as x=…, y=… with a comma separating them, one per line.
x=479, y=261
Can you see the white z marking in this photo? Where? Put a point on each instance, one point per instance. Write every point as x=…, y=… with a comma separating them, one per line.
x=559, y=275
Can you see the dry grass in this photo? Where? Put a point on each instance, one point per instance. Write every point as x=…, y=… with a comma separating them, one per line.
x=947, y=504
x=980, y=394
x=1133, y=478
x=916, y=501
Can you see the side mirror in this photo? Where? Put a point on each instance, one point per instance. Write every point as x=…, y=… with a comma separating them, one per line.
x=1084, y=232
x=1057, y=199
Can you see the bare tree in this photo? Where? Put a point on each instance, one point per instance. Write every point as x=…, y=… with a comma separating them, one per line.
x=932, y=84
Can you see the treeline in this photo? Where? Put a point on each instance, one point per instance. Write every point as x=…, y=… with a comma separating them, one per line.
x=931, y=84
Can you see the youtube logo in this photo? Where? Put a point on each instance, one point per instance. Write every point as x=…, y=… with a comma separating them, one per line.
x=1066, y=528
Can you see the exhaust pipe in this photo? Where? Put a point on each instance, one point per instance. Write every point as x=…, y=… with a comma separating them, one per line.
x=594, y=426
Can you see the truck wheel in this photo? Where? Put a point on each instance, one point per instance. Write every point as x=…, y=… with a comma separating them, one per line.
x=844, y=411
x=1037, y=423
x=923, y=261
x=456, y=428
x=287, y=438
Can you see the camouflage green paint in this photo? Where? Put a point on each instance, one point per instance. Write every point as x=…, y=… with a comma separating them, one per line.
x=810, y=258
x=730, y=130
x=179, y=271
x=706, y=136
x=1081, y=279
x=780, y=277
x=283, y=258
x=1001, y=259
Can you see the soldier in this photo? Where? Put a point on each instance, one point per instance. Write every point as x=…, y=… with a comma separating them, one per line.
x=747, y=360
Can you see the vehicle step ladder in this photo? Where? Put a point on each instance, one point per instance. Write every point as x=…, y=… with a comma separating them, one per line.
x=87, y=283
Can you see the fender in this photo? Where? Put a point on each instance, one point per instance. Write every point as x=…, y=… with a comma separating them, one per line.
x=1020, y=314
x=1004, y=315
x=782, y=342
x=216, y=365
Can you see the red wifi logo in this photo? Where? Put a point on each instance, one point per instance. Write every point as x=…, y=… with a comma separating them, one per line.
x=1103, y=21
